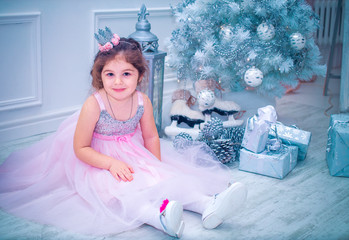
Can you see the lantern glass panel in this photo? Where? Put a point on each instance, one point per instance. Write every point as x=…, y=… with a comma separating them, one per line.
x=153, y=87
x=158, y=91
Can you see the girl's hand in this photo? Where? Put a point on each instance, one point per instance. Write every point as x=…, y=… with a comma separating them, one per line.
x=121, y=170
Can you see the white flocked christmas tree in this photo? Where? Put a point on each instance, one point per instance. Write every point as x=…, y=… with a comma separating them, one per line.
x=242, y=44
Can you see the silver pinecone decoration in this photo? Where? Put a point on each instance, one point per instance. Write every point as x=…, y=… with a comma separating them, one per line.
x=182, y=141
x=213, y=129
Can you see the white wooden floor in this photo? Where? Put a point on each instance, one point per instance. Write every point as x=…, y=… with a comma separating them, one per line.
x=307, y=204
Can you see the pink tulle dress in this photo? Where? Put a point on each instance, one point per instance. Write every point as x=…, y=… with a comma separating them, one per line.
x=48, y=184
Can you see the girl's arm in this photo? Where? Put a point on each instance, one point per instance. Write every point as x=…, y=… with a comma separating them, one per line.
x=82, y=143
x=149, y=131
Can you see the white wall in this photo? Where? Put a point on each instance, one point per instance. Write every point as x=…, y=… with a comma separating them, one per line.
x=47, y=49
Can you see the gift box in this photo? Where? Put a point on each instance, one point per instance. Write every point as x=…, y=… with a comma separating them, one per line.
x=337, y=152
x=292, y=136
x=257, y=129
x=269, y=163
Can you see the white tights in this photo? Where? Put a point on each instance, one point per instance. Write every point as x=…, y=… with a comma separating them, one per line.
x=152, y=214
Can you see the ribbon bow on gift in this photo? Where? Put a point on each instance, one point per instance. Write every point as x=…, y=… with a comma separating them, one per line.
x=329, y=141
x=264, y=115
x=257, y=129
x=274, y=144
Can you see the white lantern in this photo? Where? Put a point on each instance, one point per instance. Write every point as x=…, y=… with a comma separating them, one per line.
x=156, y=63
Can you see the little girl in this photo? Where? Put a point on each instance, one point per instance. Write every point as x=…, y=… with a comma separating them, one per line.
x=103, y=172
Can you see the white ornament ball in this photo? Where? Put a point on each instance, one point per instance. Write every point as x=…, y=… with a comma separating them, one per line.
x=265, y=31
x=206, y=98
x=253, y=77
x=297, y=41
x=226, y=32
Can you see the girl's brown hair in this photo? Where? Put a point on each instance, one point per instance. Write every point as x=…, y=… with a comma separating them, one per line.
x=128, y=48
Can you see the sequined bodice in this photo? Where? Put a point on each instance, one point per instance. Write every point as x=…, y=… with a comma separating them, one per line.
x=107, y=125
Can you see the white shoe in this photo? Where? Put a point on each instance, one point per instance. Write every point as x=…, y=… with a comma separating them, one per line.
x=232, y=122
x=171, y=219
x=181, y=112
x=226, y=106
x=173, y=130
x=224, y=205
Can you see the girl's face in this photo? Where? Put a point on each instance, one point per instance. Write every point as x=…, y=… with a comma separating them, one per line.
x=119, y=78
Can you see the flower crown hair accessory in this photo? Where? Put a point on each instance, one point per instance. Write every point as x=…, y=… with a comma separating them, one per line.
x=106, y=39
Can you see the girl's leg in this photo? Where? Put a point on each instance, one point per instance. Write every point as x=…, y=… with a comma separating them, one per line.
x=151, y=216
x=169, y=220
x=199, y=203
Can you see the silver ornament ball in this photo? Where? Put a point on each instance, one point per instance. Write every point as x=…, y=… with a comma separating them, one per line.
x=297, y=41
x=253, y=77
x=265, y=31
x=206, y=98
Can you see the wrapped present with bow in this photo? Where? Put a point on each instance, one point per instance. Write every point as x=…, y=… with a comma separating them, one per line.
x=257, y=129
x=292, y=135
x=337, y=151
x=276, y=161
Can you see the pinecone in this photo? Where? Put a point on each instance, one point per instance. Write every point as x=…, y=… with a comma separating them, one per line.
x=224, y=150
x=212, y=129
x=182, y=141
x=227, y=147
x=235, y=134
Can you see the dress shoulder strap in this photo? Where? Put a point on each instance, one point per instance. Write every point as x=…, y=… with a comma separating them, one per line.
x=140, y=98
x=99, y=100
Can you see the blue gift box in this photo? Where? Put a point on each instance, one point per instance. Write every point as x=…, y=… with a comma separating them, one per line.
x=273, y=164
x=292, y=136
x=338, y=145
x=257, y=129
x=255, y=140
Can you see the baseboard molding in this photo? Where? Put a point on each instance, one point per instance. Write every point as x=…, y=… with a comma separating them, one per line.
x=30, y=126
